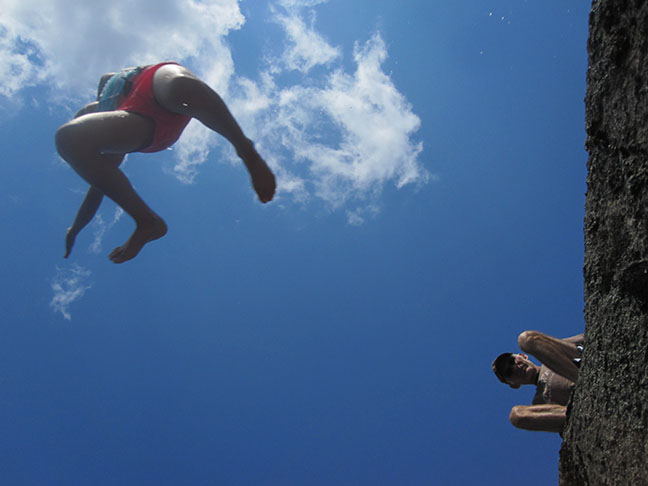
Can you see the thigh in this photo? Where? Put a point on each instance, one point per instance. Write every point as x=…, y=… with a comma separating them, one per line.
x=542, y=345
x=109, y=132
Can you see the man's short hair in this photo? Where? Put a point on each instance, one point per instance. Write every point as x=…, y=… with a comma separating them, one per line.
x=502, y=366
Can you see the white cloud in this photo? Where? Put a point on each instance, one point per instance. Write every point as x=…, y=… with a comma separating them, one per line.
x=300, y=3
x=100, y=228
x=19, y=70
x=306, y=48
x=69, y=285
x=357, y=216
x=331, y=135
x=70, y=44
x=191, y=151
x=339, y=137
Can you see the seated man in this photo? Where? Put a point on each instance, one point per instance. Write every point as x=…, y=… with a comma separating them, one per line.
x=554, y=380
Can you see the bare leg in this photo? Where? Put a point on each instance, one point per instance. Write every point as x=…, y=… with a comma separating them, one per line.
x=180, y=91
x=94, y=145
x=89, y=108
x=547, y=417
x=556, y=354
x=577, y=340
x=90, y=204
x=86, y=212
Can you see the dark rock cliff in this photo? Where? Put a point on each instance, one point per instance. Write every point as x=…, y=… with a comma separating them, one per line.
x=606, y=438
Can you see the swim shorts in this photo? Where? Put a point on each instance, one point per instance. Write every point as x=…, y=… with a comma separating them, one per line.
x=132, y=91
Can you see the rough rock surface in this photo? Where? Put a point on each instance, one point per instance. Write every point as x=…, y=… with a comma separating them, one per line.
x=606, y=438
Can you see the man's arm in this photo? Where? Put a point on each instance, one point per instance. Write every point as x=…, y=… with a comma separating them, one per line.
x=546, y=418
x=556, y=354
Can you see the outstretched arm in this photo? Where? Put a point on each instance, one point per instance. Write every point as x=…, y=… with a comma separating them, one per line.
x=556, y=354
x=180, y=91
x=546, y=418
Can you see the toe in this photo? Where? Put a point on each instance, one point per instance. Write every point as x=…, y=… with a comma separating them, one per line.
x=115, y=255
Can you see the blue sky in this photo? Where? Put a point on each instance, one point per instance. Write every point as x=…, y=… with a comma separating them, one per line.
x=431, y=195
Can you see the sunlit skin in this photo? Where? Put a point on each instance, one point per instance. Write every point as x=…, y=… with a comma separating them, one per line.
x=95, y=144
x=523, y=371
x=558, y=355
x=547, y=417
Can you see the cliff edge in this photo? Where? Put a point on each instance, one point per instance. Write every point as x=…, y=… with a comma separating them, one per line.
x=606, y=438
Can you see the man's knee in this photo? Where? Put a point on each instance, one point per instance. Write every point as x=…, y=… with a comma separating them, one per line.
x=518, y=415
x=526, y=417
x=547, y=417
x=528, y=340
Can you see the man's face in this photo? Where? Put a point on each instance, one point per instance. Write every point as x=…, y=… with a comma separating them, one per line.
x=521, y=371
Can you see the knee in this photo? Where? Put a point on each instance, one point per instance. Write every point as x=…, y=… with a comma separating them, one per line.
x=518, y=415
x=528, y=339
x=64, y=138
x=74, y=143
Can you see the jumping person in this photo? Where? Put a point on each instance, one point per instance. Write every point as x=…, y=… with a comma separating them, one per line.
x=554, y=379
x=144, y=109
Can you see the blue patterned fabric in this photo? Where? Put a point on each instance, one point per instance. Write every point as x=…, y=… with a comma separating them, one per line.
x=116, y=85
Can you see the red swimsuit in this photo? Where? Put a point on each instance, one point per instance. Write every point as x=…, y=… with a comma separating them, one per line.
x=141, y=100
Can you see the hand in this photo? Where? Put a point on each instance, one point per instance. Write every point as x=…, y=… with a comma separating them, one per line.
x=263, y=180
x=265, y=187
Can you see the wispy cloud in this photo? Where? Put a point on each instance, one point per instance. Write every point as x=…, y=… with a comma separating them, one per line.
x=67, y=44
x=100, y=227
x=340, y=137
x=68, y=286
x=330, y=134
x=306, y=48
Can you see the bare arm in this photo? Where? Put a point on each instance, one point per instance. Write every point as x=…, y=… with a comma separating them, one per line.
x=546, y=418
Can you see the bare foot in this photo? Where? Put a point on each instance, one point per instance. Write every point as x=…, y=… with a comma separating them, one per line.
x=70, y=236
x=144, y=233
x=263, y=180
